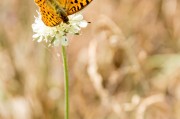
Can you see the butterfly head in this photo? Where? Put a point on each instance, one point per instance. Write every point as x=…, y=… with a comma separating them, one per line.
x=65, y=19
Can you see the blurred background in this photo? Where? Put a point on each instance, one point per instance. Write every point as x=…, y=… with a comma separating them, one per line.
x=124, y=65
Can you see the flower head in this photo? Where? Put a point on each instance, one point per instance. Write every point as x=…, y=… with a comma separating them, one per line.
x=57, y=35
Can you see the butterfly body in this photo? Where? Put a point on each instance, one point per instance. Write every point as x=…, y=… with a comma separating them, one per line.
x=56, y=11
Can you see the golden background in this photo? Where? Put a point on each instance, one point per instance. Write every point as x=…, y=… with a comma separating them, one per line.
x=124, y=65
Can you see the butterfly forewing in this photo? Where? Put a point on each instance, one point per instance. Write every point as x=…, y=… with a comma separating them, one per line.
x=74, y=6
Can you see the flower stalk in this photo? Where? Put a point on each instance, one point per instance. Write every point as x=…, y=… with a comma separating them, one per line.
x=66, y=81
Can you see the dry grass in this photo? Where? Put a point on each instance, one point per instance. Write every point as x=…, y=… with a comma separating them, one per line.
x=125, y=65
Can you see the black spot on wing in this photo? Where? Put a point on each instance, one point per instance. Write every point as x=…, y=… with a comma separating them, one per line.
x=87, y=2
x=78, y=7
x=76, y=1
x=81, y=5
x=73, y=9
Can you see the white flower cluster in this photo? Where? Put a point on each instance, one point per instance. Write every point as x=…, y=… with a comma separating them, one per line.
x=57, y=35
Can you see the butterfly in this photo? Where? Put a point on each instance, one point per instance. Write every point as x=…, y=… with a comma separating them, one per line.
x=54, y=12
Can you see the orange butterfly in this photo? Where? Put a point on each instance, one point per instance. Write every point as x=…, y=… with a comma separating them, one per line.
x=55, y=11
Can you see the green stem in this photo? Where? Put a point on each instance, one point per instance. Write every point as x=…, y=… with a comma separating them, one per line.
x=66, y=82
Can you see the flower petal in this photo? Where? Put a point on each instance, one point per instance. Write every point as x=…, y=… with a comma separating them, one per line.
x=64, y=41
x=83, y=24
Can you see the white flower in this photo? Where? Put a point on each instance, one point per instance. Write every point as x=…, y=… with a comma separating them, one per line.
x=57, y=35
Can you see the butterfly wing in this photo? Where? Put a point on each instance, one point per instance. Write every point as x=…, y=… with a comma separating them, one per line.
x=50, y=17
x=74, y=6
x=62, y=3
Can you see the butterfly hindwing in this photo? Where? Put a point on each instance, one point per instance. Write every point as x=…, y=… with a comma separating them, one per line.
x=74, y=6
x=51, y=20
x=49, y=15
